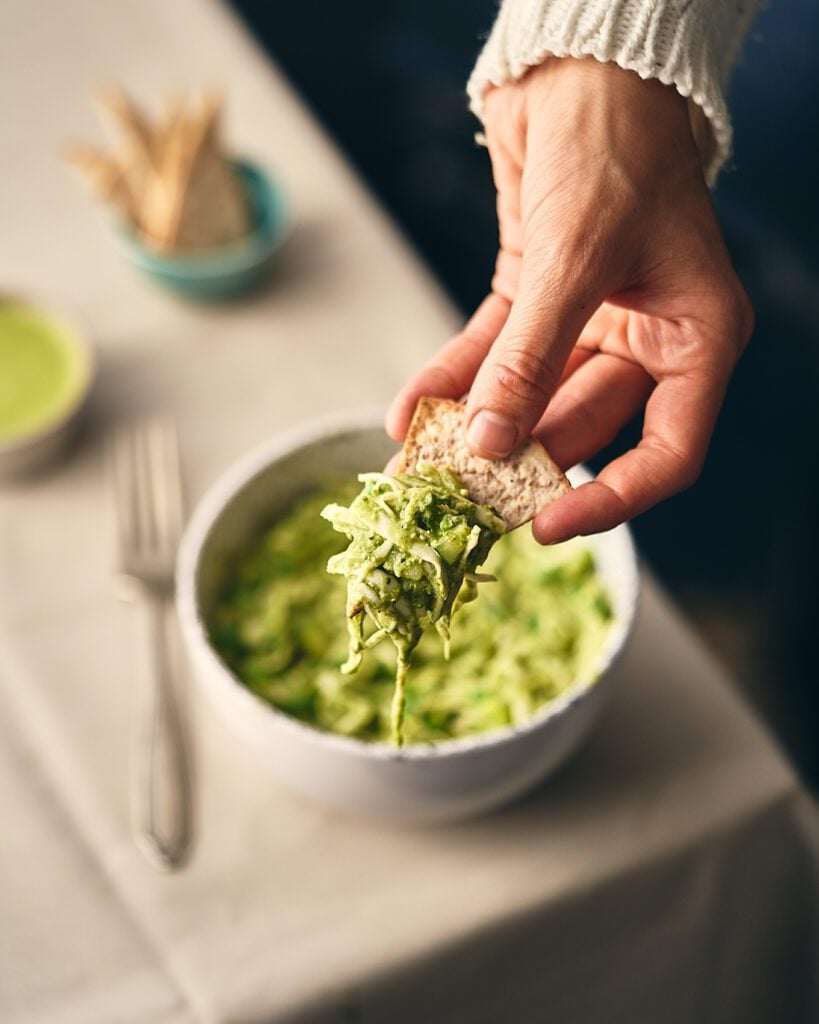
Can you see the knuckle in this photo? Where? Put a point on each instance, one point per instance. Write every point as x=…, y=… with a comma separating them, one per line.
x=684, y=468
x=736, y=314
x=688, y=474
x=524, y=376
x=732, y=315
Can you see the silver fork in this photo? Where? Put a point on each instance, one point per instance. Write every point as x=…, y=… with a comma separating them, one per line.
x=148, y=493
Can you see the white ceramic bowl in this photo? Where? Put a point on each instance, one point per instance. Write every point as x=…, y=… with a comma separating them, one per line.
x=454, y=779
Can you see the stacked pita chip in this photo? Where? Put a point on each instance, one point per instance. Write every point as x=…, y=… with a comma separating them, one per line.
x=168, y=177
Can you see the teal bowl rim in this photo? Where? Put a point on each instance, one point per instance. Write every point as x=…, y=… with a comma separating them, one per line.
x=273, y=217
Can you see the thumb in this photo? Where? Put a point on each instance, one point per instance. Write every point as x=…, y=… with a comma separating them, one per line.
x=556, y=295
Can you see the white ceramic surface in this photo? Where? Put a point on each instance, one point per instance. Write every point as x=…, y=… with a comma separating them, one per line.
x=451, y=780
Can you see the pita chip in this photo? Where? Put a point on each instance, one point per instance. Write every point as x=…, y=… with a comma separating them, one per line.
x=196, y=200
x=101, y=174
x=517, y=486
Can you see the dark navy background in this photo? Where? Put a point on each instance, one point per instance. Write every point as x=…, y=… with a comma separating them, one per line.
x=739, y=551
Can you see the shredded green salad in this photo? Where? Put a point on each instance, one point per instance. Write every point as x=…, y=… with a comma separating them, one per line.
x=416, y=542
x=280, y=627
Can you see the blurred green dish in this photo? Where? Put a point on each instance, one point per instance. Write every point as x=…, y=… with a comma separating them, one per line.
x=46, y=372
x=231, y=270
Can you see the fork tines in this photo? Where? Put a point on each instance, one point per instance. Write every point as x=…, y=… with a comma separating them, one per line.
x=148, y=494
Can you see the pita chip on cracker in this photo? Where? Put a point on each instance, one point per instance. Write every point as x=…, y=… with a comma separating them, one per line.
x=517, y=486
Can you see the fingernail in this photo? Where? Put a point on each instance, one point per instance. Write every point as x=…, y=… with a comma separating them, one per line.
x=492, y=433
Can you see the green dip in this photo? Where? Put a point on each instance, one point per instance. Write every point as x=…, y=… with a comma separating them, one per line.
x=280, y=627
x=43, y=370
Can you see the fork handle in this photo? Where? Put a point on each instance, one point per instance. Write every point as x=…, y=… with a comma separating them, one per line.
x=160, y=781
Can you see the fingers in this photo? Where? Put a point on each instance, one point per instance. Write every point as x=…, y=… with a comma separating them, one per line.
x=592, y=406
x=679, y=421
x=577, y=357
x=555, y=297
x=449, y=374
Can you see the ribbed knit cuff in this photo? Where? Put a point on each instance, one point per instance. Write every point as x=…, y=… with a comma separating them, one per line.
x=689, y=44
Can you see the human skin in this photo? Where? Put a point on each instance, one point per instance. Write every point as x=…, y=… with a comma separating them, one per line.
x=613, y=291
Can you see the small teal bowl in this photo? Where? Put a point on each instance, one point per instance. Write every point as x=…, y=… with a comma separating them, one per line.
x=231, y=270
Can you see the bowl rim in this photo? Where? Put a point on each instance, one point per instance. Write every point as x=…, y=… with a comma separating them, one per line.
x=79, y=340
x=234, y=257
x=225, y=489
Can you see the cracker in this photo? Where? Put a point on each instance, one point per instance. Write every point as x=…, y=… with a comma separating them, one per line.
x=517, y=486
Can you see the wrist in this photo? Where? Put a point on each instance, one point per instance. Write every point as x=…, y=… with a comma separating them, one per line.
x=601, y=108
x=689, y=47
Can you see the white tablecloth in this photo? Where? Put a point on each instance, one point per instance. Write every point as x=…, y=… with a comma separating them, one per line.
x=668, y=874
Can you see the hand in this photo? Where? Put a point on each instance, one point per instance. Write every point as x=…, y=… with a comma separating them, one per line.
x=612, y=291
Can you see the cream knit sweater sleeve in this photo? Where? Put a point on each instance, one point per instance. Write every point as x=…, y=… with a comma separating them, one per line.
x=689, y=44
